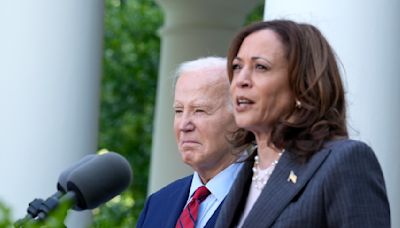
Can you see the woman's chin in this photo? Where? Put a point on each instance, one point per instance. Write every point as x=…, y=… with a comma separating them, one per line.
x=243, y=123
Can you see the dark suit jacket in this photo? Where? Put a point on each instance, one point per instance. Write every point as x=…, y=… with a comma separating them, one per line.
x=163, y=208
x=340, y=186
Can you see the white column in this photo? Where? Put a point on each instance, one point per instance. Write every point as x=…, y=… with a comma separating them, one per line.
x=192, y=29
x=365, y=35
x=50, y=67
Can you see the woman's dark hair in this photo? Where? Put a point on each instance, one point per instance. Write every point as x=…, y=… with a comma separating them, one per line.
x=315, y=81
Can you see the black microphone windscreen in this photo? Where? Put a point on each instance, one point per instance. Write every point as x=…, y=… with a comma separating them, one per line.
x=99, y=180
x=63, y=178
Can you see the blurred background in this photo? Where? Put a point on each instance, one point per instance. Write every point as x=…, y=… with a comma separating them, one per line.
x=78, y=77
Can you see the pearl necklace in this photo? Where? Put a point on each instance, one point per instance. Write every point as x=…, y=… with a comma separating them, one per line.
x=260, y=177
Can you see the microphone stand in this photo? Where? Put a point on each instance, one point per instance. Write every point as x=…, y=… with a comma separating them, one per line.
x=38, y=209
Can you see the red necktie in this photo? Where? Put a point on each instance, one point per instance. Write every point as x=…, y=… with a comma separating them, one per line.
x=188, y=217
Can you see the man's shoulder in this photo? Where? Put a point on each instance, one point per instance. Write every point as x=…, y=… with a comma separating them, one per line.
x=176, y=185
x=163, y=207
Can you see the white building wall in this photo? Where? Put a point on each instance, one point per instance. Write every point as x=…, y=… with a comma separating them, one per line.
x=50, y=67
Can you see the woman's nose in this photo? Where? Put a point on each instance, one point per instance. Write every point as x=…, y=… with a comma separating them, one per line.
x=243, y=79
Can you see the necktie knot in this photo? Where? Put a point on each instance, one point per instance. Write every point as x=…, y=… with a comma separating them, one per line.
x=201, y=194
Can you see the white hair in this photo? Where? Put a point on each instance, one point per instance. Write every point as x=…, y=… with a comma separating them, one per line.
x=204, y=63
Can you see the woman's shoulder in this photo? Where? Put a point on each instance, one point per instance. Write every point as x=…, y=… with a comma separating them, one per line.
x=351, y=161
x=350, y=151
x=347, y=146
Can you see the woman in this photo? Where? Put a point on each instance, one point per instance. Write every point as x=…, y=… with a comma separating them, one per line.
x=305, y=172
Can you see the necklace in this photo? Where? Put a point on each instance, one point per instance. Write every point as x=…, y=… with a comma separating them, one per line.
x=260, y=177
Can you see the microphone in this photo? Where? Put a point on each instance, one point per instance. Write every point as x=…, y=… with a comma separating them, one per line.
x=63, y=178
x=99, y=180
x=91, y=181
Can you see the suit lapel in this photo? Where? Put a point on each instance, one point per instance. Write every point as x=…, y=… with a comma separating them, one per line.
x=278, y=192
x=175, y=205
x=236, y=197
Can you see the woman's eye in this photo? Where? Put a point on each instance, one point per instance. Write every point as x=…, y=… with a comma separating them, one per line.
x=177, y=111
x=236, y=66
x=261, y=67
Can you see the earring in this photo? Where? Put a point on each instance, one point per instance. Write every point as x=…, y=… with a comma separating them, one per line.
x=298, y=104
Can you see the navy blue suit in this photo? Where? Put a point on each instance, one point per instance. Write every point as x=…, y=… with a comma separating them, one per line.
x=340, y=186
x=163, y=208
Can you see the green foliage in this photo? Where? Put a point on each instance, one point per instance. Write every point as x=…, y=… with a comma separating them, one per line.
x=256, y=14
x=5, y=216
x=130, y=69
x=116, y=213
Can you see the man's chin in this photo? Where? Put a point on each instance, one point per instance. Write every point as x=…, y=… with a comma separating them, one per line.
x=189, y=157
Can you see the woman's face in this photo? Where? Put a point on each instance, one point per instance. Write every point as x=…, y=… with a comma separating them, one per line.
x=260, y=84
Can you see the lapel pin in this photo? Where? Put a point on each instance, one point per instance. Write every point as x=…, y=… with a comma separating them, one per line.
x=292, y=177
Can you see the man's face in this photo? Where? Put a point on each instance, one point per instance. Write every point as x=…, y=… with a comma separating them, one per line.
x=203, y=120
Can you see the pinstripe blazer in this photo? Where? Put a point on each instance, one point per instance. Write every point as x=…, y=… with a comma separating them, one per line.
x=340, y=186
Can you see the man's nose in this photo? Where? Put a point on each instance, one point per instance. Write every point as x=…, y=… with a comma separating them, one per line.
x=186, y=124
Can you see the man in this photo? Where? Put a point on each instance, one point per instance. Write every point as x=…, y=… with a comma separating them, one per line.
x=203, y=123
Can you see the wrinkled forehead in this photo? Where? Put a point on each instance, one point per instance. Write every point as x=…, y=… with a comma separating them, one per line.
x=201, y=88
x=207, y=79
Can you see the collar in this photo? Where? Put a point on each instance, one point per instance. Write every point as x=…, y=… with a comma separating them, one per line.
x=219, y=185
